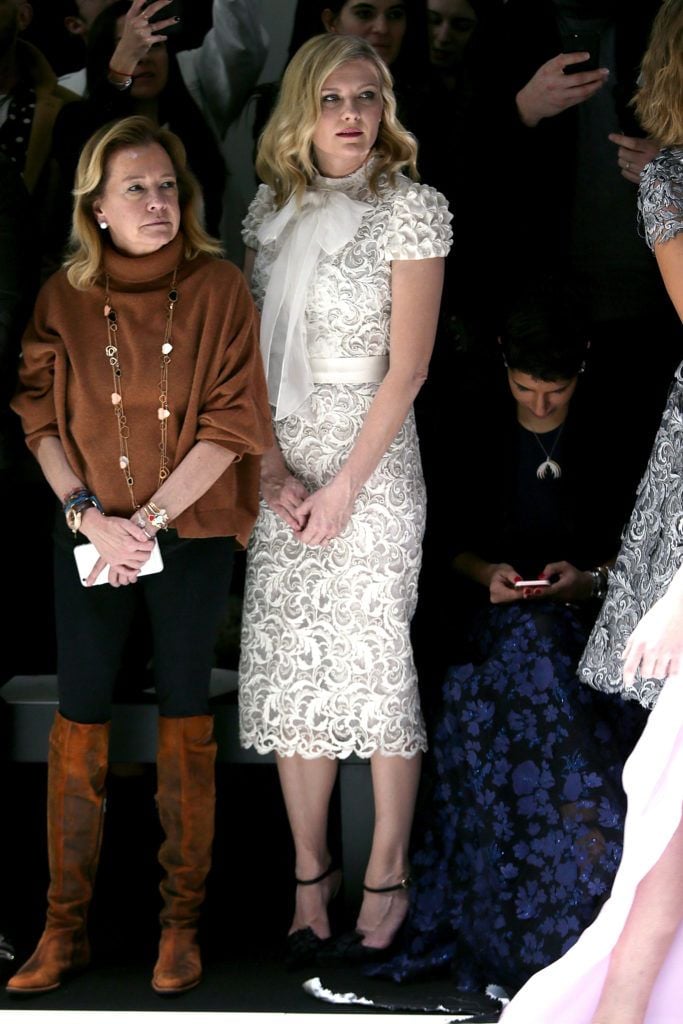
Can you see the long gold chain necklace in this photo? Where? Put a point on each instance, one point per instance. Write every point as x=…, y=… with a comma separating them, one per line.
x=163, y=412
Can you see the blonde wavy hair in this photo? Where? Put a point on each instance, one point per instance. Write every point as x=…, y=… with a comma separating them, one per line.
x=285, y=153
x=659, y=100
x=84, y=260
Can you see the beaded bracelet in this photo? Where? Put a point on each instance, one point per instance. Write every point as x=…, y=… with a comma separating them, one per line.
x=83, y=497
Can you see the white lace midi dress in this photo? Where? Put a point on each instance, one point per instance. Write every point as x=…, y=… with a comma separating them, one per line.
x=326, y=663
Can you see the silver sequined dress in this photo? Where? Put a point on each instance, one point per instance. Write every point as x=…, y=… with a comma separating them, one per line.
x=326, y=666
x=652, y=548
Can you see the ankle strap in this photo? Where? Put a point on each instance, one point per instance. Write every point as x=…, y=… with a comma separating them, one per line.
x=403, y=884
x=320, y=878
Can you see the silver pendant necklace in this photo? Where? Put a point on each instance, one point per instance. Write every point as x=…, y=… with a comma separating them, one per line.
x=549, y=468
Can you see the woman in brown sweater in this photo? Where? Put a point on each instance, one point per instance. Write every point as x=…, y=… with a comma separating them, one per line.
x=142, y=398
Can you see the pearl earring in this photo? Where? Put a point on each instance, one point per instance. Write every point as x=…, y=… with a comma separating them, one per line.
x=103, y=225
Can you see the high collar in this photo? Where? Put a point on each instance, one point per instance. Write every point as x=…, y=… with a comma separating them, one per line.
x=353, y=182
x=141, y=270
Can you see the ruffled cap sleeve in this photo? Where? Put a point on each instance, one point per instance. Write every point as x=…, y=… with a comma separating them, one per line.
x=420, y=225
x=261, y=206
x=660, y=199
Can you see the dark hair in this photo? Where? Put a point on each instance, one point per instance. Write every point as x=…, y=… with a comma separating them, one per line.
x=413, y=61
x=545, y=334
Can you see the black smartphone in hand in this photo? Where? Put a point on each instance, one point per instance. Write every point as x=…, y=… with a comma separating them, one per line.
x=582, y=42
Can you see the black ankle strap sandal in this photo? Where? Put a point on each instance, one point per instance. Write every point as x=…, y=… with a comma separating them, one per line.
x=320, y=878
x=403, y=884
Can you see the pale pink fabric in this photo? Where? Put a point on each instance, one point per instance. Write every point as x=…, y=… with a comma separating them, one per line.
x=567, y=991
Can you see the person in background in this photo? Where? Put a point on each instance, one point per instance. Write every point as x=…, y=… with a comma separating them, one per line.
x=451, y=24
x=30, y=102
x=149, y=437
x=79, y=17
x=572, y=146
x=519, y=838
x=346, y=262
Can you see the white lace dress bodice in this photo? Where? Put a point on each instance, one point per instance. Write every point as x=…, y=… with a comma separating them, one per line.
x=326, y=666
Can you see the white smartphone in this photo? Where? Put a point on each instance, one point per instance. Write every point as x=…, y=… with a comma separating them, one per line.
x=86, y=555
x=521, y=584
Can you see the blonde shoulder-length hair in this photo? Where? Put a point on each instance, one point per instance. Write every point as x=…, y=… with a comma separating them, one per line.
x=285, y=153
x=659, y=100
x=84, y=260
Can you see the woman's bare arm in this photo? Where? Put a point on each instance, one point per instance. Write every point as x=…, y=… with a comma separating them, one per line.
x=416, y=293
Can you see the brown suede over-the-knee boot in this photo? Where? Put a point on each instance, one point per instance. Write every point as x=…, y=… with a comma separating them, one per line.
x=186, y=795
x=77, y=771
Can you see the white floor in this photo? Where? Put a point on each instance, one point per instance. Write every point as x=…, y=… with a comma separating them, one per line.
x=110, y=1017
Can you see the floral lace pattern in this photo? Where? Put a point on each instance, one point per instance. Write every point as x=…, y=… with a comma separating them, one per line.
x=326, y=666
x=652, y=545
x=660, y=199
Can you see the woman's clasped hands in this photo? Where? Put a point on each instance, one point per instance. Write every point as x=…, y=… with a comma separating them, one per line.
x=315, y=519
x=326, y=512
x=121, y=543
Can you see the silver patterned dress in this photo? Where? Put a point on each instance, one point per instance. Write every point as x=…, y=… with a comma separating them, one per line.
x=326, y=666
x=652, y=547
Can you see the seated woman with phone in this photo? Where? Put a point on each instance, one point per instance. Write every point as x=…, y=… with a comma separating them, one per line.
x=143, y=399
x=520, y=835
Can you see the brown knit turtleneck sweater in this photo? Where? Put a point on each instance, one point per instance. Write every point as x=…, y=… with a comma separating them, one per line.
x=216, y=388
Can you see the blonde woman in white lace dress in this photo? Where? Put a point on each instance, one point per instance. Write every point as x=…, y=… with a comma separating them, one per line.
x=345, y=256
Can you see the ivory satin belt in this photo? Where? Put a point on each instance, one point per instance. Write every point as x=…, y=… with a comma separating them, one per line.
x=349, y=370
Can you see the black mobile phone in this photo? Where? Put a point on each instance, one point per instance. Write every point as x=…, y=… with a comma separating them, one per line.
x=582, y=42
x=172, y=10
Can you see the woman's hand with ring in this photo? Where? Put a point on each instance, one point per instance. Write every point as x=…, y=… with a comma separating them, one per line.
x=633, y=155
x=139, y=35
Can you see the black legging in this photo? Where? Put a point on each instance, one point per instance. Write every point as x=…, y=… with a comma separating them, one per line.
x=185, y=602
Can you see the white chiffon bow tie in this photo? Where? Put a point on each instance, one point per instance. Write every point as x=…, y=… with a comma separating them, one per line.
x=325, y=222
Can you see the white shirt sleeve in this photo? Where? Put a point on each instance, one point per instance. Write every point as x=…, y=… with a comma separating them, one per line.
x=221, y=73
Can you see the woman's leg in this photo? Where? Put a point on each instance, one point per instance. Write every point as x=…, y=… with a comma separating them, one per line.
x=92, y=625
x=394, y=782
x=655, y=916
x=186, y=603
x=307, y=787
